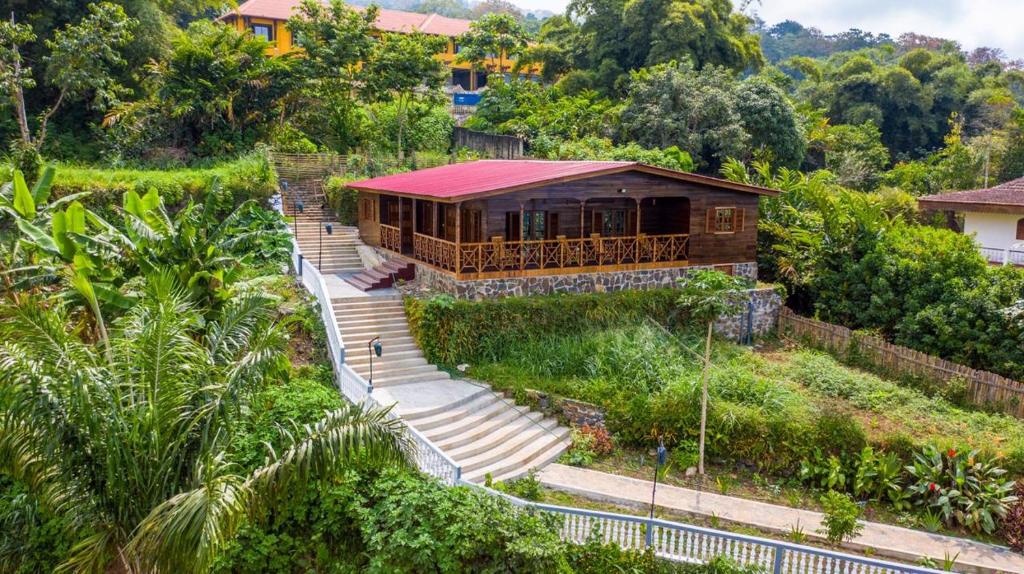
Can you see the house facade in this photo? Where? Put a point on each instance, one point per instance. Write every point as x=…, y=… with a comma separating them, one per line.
x=505, y=227
x=269, y=18
x=995, y=216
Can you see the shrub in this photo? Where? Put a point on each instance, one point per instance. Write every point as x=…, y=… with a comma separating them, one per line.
x=841, y=518
x=1012, y=529
x=581, y=450
x=839, y=435
x=527, y=487
x=962, y=487
x=600, y=439
x=452, y=332
x=342, y=199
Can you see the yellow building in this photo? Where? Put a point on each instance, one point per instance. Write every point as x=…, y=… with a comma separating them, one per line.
x=268, y=18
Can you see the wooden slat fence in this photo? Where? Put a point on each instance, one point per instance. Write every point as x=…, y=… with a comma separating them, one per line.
x=983, y=387
x=299, y=166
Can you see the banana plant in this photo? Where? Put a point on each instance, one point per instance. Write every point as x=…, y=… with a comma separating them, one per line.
x=60, y=242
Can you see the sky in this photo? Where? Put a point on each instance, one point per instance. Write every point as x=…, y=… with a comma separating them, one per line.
x=973, y=23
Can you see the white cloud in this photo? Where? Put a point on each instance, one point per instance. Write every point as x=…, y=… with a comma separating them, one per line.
x=973, y=23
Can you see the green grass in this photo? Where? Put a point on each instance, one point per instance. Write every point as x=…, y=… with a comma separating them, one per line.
x=649, y=381
x=250, y=176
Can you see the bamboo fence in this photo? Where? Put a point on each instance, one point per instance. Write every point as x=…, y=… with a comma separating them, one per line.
x=983, y=387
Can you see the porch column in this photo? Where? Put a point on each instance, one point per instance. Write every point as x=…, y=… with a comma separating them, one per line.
x=583, y=207
x=437, y=227
x=522, y=227
x=458, y=239
x=400, y=224
x=636, y=247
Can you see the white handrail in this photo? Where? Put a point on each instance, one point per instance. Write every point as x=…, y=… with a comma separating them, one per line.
x=429, y=458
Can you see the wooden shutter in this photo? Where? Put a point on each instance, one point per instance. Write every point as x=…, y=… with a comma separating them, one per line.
x=709, y=226
x=738, y=219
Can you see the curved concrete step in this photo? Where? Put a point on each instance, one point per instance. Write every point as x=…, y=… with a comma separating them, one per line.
x=418, y=414
x=460, y=425
x=538, y=454
x=509, y=449
x=437, y=376
x=485, y=436
x=453, y=417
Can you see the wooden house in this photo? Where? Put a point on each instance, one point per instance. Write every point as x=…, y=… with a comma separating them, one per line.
x=502, y=219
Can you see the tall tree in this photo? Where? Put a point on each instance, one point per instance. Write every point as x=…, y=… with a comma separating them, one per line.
x=402, y=70
x=131, y=449
x=672, y=105
x=335, y=39
x=78, y=65
x=704, y=296
x=495, y=35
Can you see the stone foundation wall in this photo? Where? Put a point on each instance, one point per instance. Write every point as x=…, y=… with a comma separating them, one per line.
x=433, y=280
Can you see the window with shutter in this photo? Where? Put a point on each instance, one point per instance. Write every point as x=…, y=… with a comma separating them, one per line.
x=724, y=220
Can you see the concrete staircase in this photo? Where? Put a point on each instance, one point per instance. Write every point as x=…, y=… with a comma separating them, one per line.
x=483, y=431
x=331, y=254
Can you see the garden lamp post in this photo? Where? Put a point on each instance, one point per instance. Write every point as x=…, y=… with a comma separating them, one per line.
x=662, y=454
x=320, y=254
x=660, y=462
x=375, y=347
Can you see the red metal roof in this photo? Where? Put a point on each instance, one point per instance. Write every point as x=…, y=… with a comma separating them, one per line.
x=387, y=20
x=461, y=180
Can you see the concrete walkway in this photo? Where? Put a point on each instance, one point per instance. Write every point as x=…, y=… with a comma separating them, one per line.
x=886, y=541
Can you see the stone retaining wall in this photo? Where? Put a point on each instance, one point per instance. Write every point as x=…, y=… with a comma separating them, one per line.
x=441, y=282
x=760, y=313
x=576, y=413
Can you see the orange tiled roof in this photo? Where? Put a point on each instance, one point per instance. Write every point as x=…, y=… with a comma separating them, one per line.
x=387, y=20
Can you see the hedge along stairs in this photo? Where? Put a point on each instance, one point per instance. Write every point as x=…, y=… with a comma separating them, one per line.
x=483, y=431
x=334, y=253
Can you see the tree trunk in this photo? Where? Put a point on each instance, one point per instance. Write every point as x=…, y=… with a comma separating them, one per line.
x=704, y=398
x=401, y=150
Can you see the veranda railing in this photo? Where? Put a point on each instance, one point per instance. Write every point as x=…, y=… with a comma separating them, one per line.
x=547, y=254
x=669, y=540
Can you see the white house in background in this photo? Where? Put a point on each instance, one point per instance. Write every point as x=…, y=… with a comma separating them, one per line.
x=995, y=216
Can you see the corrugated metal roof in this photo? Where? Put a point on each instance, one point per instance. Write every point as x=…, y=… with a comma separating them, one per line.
x=387, y=20
x=463, y=180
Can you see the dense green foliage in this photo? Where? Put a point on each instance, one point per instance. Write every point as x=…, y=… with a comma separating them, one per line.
x=863, y=260
x=805, y=417
x=249, y=177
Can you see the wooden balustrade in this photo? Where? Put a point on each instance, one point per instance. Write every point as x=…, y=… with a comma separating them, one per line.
x=391, y=238
x=494, y=258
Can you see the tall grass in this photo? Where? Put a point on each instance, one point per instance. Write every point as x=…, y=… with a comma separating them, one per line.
x=250, y=176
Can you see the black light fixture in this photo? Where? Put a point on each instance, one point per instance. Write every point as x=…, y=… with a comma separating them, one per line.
x=622, y=190
x=300, y=206
x=320, y=237
x=375, y=347
x=662, y=456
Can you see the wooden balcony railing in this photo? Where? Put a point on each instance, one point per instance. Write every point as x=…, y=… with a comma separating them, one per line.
x=391, y=238
x=498, y=257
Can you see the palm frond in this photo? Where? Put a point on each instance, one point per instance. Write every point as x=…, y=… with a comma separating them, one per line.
x=343, y=436
x=185, y=533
